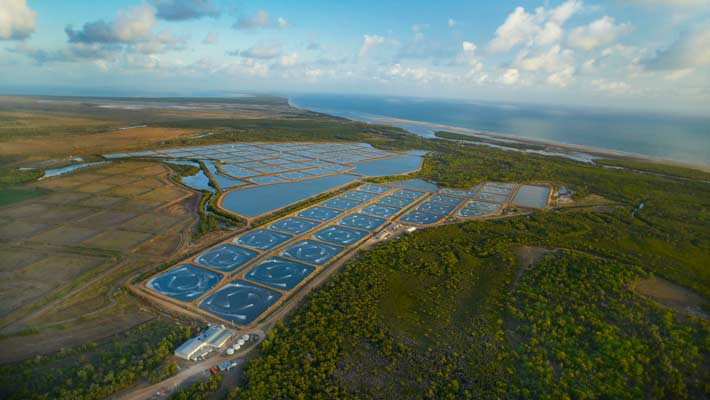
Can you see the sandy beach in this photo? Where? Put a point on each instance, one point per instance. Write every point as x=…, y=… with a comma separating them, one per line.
x=549, y=145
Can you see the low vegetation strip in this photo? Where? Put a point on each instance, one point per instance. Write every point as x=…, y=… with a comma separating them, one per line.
x=10, y=196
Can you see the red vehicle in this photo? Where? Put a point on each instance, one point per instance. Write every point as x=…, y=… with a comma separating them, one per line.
x=214, y=371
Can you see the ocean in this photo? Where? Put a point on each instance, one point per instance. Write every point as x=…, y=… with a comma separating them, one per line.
x=674, y=137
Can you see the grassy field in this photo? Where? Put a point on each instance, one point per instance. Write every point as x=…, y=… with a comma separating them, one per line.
x=9, y=196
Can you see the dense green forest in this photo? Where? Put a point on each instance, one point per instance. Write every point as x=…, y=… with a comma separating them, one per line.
x=449, y=313
x=95, y=371
x=437, y=315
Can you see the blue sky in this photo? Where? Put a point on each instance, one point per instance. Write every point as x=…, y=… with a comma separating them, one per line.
x=646, y=54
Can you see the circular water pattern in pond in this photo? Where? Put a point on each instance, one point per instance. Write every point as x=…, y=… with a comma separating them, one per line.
x=497, y=190
x=239, y=302
x=395, y=201
x=491, y=197
x=408, y=194
x=319, y=213
x=361, y=221
x=279, y=273
x=262, y=239
x=358, y=195
x=340, y=235
x=379, y=210
x=421, y=218
x=436, y=208
x=476, y=208
x=226, y=257
x=340, y=203
x=312, y=252
x=373, y=188
x=457, y=192
x=185, y=283
x=293, y=225
x=452, y=201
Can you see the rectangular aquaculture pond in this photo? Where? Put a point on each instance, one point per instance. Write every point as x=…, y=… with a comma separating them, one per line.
x=185, y=283
x=422, y=218
x=239, y=302
x=312, y=252
x=256, y=201
x=532, y=196
x=279, y=273
x=388, y=166
x=226, y=257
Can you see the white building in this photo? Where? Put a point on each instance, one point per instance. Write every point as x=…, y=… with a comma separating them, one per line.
x=210, y=339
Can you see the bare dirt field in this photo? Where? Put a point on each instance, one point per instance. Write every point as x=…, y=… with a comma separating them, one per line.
x=671, y=295
x=95, y=143
x=65, y=256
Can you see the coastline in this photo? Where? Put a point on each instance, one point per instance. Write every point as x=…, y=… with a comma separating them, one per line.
x=549, y=145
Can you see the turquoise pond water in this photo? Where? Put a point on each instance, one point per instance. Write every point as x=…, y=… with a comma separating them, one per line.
x=388, y=166
x=532, y=196
x=199, y=181
x=256, y=201
x=65, y=170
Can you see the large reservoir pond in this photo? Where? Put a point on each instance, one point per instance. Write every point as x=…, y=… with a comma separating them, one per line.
x=256, y=201
x=532, y=196
x=388, y=166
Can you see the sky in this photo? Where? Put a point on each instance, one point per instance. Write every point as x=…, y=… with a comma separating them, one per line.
x=642, y=54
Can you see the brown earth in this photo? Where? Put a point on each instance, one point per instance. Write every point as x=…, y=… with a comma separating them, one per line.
x=671, y=295
x=65, y=256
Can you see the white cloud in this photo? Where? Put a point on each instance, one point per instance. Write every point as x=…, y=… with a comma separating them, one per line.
x=468, y=47
x=598, y=33
x=416, y=73
x=261, y=52
x=181, y=10
x=160, y=43
x=557, y=65
x=131, y=25
x=565, y=11
x=469, y=58
x=541, y=28
x=134, y=24
x=611, y=87
x=672, y=3
x=261, y=20
x=679, y=74
x=370, y=41
x=312, y=75
x=562, y=77
x=289, y=60
x=17, y=21
x=510, y=77
x=518, y=27
x=452, y=22
x=549, y=61
x=690, y=50
x=551, y=33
